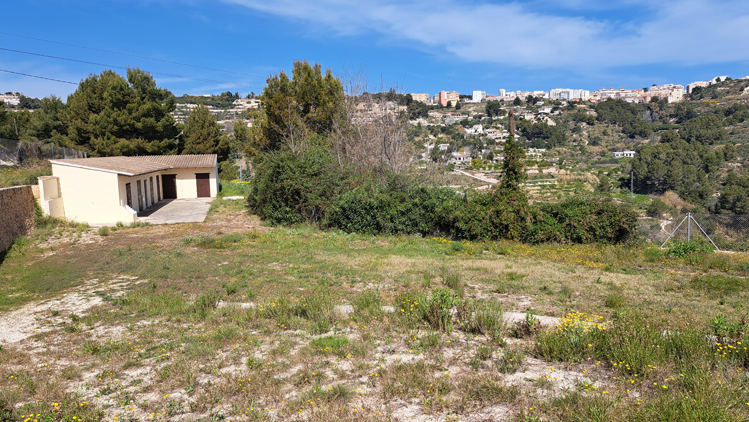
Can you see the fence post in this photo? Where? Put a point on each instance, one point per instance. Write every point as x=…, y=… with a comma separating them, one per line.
x=689, y=226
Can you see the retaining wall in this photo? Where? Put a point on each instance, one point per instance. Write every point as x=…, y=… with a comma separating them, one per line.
x=16, y=214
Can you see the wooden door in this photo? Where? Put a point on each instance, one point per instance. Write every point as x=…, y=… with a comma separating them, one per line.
x=203, y=181
x=169, y=183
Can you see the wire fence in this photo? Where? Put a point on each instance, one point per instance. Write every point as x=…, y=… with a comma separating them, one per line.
x=727, y=232
x=13, y=152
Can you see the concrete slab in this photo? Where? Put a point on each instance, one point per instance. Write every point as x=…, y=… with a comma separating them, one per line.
x=171, y=211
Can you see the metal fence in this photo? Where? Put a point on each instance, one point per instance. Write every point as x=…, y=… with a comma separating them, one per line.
x=726, y=232
x=13, y=152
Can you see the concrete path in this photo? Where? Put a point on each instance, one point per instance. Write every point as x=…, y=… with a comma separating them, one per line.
x=483, y=179
x=171, y=211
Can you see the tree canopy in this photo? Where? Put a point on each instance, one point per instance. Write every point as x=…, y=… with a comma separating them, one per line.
x=110, y=115
x=203, y=135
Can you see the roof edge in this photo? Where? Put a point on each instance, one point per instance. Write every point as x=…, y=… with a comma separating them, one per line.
x=91, y=168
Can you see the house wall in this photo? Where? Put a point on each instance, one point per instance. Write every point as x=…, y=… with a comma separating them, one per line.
x=49, y=196
x=91, y=196
x=187, y=186
x=122, y=181
x=17, y=217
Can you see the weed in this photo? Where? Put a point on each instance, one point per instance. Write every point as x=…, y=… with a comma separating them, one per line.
x=511, y=361
x=437, y=310
x=481, y=317
x=103, y=231
x=450, y=278
x=615, y=300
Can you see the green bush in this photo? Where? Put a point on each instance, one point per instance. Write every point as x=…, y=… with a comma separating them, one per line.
x=396, y=208
x=587, y=220
x=289, y=188
x=657, y=208
x=496, y=215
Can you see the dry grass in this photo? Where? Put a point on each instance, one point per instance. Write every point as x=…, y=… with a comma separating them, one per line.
x=296, y=324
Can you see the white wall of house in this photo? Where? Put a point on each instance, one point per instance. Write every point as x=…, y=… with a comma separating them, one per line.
x=187, y=186
x=145, y=181
x=90, y=196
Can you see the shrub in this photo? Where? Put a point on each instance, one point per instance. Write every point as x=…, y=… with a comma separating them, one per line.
x=104, y=231
x=436, y=310
x=681, y=249
x=657, y=208
x=481, y=317
x=396, y=208
x=496, y=215
x=289, y=188
x=587, y=220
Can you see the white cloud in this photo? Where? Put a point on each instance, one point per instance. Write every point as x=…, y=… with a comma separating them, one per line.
x=532, y=35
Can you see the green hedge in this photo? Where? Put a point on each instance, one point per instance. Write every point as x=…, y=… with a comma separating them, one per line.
x=289, y=188
x=392, y=209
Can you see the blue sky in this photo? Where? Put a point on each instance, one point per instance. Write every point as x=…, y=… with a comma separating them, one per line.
x=421, y=46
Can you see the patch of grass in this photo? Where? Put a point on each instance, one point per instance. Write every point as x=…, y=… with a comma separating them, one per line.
x=209, y=241
x=511, y=361
x=718, y=285
x=489, y=389
x=26, y=174
x=368, y=304
x=615, y=300
x=335, y=345
x=481, y=317
x=103, y=231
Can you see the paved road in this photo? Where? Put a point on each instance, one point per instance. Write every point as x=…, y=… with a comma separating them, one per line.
x=171, y=211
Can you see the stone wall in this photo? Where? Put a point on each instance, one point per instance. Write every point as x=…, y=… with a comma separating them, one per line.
x=16, y=214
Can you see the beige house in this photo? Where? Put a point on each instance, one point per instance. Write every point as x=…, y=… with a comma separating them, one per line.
x=107, y=190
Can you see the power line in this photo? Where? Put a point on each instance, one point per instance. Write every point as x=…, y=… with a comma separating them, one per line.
x=173, y=75
x=38, y=77
x=99, y=87
x=130, y=55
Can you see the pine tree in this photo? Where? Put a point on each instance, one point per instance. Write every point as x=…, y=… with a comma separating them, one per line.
x=203, y=135
x=111, y=115
x=513, y=167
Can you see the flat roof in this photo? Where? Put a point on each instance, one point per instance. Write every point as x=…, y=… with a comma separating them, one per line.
x=136, y=166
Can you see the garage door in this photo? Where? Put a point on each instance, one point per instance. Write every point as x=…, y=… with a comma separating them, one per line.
x=169, y=183
x=204, y=184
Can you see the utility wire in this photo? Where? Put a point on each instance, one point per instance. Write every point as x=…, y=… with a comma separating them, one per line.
x=103, y=88
x=173, y=75
x=38, y=77
x=129, y=55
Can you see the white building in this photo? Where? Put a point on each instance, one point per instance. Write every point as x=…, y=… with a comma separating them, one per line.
x=11, y=98
x=502, y=93
x=566, y=94
x=623, y=154
x=479, y=96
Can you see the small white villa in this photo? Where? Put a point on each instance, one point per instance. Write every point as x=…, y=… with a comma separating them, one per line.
x=107, y=190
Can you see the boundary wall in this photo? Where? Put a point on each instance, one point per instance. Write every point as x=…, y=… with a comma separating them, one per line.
x=16, y=214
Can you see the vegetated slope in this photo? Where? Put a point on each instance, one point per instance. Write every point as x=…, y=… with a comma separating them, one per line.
x=209, y=321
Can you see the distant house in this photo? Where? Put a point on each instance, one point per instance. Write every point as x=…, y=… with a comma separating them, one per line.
x=107, y=190
x=460, y=158
x=623, y=154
